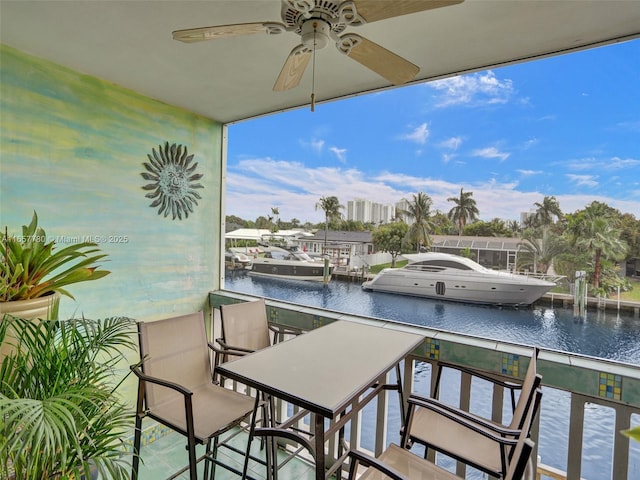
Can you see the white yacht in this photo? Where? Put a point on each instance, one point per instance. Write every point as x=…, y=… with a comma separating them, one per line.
x=451, y=277
x=290, y=263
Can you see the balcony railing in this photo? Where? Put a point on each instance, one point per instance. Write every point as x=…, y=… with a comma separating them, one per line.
x=571, y=382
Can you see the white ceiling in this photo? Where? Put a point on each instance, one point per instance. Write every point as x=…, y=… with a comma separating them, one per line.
x=229, y=79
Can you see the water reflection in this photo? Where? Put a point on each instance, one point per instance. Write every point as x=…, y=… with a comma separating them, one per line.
x=603, y=334
x=600, y=334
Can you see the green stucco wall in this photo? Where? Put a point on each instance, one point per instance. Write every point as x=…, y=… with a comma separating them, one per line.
x=72, y=148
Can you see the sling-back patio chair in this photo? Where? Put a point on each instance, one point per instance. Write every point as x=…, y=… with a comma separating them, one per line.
x=175, y=388
x=467, y=437
x=245, y=329
x=397, y=463
x=509, y=385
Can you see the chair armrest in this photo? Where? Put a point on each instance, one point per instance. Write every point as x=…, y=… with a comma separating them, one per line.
x=287, y=434
x=160, y=381
x=485, y=376
x=471, y=421
x=282, y=329
x=357, y=456
x=225, y=349
x=229, y=348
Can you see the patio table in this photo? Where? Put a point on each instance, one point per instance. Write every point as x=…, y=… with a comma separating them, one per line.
x=326, y=372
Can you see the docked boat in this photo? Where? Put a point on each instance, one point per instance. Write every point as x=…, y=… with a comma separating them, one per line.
x=290, y=263
x=451, y=277
x=236, y=261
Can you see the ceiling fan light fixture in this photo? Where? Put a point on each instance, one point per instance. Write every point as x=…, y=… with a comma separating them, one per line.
x=315, y=33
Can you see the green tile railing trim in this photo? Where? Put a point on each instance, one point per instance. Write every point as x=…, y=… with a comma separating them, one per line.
x=511, y=364
x=610, y=386
x=560, y=370
x=432, y=350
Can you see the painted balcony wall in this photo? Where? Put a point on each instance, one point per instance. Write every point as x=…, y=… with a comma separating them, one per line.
x=73, y=148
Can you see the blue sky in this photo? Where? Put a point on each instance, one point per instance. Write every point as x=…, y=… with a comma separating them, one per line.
x=567, y=126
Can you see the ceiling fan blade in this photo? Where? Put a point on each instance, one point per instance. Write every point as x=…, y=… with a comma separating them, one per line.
x=293, y=69
x=385, y=63
x=374, y=10
x=191, y=35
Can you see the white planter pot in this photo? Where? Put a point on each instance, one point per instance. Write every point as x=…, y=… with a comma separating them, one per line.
x=28, y=309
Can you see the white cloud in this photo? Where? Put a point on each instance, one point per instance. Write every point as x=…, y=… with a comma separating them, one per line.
x=419, y=135
x=490, y=152
x=447, y=157
x=617, y=163
x=314, y=144
x=583, y=180
x=614, y=163
x=341, y=153
x=452, y=143
x=528, y=173
x=473, y=89
x=255, y=185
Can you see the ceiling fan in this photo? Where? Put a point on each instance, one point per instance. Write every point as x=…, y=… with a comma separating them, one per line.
x=318, y=22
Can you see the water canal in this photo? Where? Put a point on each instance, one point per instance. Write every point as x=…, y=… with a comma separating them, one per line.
x=605, y=334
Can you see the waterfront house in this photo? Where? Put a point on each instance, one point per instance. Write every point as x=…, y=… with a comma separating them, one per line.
x=94, y=93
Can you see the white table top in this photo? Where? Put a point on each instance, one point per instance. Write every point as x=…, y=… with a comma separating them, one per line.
x=324, y=370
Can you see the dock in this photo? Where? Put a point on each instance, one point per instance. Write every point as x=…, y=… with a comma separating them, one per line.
x=608, y=304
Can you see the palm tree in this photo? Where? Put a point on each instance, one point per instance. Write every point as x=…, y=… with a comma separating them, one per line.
x=419, y=230
x=546, y=210
x=514, y=226
x=603, y=240
x=275, y=212
x=464, y=211
x=540, y=252
x=595, y=229
x=331, y=207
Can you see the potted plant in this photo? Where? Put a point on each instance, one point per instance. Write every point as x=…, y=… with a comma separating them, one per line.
x=61, y=414
x=33, y=268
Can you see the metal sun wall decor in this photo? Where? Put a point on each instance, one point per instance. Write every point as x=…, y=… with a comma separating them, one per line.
x=172, y=175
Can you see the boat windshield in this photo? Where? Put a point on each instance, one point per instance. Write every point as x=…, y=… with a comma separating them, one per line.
x=296, y=256
x=437, y=266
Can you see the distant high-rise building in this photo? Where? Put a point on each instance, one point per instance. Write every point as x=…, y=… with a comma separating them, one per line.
x=524, y=216
x=366, y=211
x=402, y=206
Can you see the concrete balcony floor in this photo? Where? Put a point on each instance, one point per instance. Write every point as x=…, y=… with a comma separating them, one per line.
x=168, y=454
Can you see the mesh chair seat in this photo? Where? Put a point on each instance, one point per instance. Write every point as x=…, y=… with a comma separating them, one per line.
x=215, y=410
x=408, y=465
x=450, y=436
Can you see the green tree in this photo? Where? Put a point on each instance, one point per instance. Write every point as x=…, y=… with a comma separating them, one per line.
x=442, y=224
x=546, y=210
x=331, y=207
x=540, y=250
x=233, y=222
x=630, y=233
x=390, y=238
x=494, y=228
x=419, y=211
x=464, y=211
x=602, y=240
x=514, y=226
x=352, y=226
x=263, y=223
x=274, y=219
x=594, y=229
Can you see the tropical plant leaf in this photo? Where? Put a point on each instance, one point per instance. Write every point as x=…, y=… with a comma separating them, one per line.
x=633, y=433
x=61, y=413
x=32, y=266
